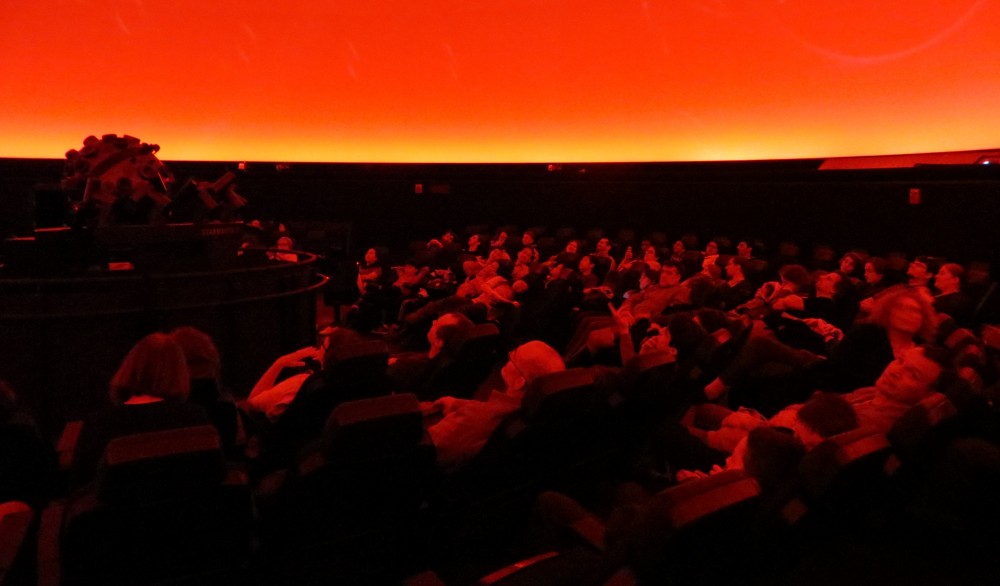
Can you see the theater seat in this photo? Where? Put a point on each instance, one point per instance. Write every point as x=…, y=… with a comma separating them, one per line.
x=350, y=372
x=841, y=480
x=15, y=522
x=164, y=507
x=475, y=355
x=692, y=533
x=349, y=511
x=923, y=429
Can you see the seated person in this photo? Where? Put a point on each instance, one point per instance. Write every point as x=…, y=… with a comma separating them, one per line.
x=823, y=416
x=737, y=290
x=635, y=531
x=902, y=318
x=904, y=383
x=831, y=293
x=920, y=271
x=150, y=392
x=951, y=299
x=466, y=425
x=794, y=280
x=651, y=300
x=205, y=367
x=272, y=395
x=410, y=370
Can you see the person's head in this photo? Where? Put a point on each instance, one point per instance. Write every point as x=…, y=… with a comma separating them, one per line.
x=284, y=243
x=670, y=274
x=444, y=331
x=154, y=367
x=527, y=362
x=200, y=353
x=824, y=415
x=678, y=248
x=448, y=237
x=875, y=269
x=473, y=242
x=772, y=457
x=498, y=255
x=527, y=238
x=915, y=374
x=949, y=278
x=371, y=256
x=744, y=249
x=921, y=269
x=649, y=254
x=711, y=249
x=851, y=264
x=830, y=284
x=603, y=247
x=526, y=256
x=906, y=310
x=572, y=247
x=734, y=268
x=795, y=277
x=586, y=265
x=602, y=266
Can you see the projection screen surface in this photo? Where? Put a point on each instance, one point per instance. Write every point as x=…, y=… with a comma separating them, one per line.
x=501, y=80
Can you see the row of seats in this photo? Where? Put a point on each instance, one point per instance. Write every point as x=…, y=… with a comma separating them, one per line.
x=361, y=504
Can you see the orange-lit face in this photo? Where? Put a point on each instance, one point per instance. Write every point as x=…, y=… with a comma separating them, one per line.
x=502, y=81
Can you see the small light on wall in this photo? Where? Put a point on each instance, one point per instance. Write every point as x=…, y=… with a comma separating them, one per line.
x=418, y=188
x=915, y=196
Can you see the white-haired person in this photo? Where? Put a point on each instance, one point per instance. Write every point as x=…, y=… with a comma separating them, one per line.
x=466, y=425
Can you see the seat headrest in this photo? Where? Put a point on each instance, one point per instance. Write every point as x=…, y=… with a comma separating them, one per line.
x=373, y=427
x=852, y=450
x=476, y=332
x=650, y=360
x=344, y=352
x=161, y=464
x=567, y=389
x=696, y=499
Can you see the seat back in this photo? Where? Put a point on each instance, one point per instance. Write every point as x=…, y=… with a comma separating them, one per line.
x=923, y=428
x=164, y=507
x=357, y=371
x=845, y=474
x=557, y=398
x=696, y=532
x=475, y=355
x=347, y=513
x=351, y=372
x=372, y=429
x=161, y=465
x=15, y=522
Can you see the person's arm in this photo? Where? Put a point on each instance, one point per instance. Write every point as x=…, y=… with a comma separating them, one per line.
x=623, y=322
x=789, y=302
x=293, y=360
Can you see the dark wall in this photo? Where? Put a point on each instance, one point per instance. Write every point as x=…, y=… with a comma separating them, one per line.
x=957, y=216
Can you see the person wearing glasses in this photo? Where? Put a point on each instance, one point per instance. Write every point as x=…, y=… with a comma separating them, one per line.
x=466, y=425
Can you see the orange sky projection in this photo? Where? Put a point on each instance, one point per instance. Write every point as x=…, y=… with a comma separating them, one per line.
x=501, y=80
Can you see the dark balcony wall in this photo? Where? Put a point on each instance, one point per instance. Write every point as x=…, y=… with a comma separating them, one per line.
x=957, y=216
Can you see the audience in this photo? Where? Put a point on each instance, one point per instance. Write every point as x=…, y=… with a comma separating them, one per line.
x=848, y=368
